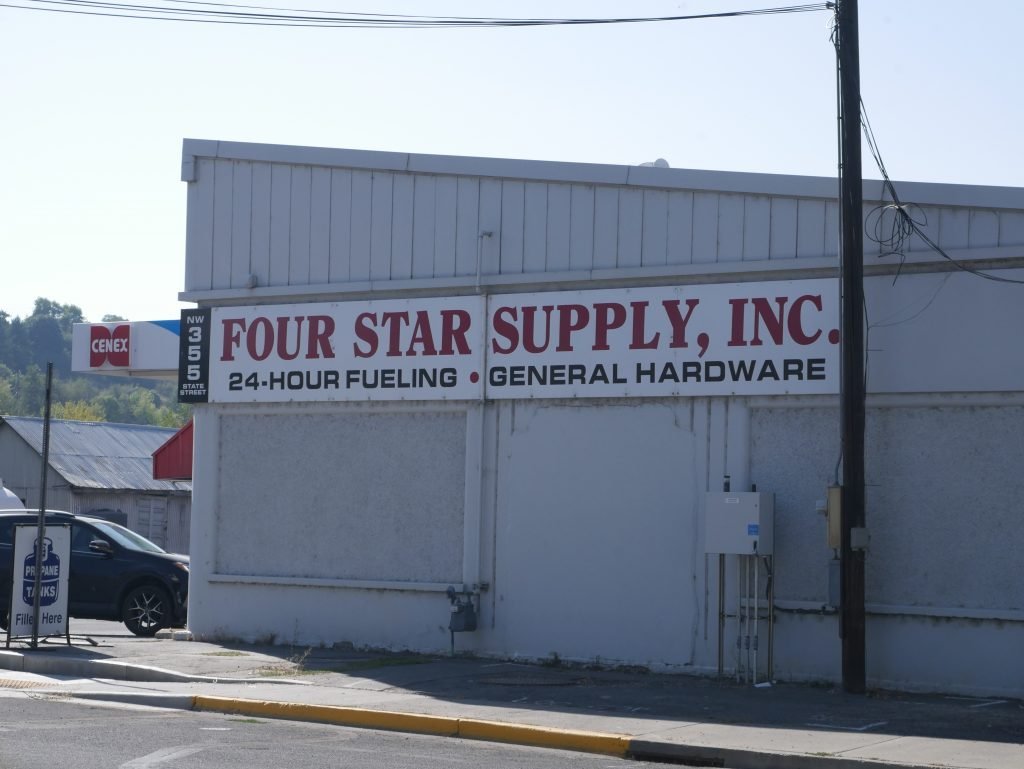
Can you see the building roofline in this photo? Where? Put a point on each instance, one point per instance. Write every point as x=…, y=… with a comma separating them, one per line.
x=923, y=193
x=90, y=422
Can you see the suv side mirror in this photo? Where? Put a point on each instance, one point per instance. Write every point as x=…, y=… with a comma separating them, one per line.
x=101, y=546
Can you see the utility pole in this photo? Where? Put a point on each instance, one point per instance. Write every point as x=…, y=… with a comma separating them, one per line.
x=852, y=392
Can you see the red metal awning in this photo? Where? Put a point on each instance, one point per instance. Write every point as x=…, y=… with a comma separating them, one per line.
x=173, y=460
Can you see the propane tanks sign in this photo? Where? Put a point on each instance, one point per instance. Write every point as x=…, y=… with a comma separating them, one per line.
x=53, y=580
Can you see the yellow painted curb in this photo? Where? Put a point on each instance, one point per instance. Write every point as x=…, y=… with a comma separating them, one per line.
x=544, y=737
x=332, y=714
x=468, y=728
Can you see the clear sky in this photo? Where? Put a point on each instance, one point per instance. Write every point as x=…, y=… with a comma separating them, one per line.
x=93, y=110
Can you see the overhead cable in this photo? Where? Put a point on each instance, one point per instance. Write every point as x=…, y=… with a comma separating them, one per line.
x=230, y=13
x=908, y=219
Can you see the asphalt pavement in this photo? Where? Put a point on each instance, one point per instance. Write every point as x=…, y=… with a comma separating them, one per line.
x=673, y=718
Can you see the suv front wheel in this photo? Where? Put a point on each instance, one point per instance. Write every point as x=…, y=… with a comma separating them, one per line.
x=146, y=609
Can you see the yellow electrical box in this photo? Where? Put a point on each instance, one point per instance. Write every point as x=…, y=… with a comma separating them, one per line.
x=833, y=507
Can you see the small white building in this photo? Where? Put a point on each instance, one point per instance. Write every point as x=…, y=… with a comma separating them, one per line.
x=522, y=379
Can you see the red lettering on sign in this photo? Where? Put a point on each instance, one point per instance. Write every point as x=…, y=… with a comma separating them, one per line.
x=288, y=335
x=529, y=322
x=321, y=329
x=639, y=323
x=775, y=320
x=503, y=325
x=610, y=316
x=571, y=317
x=365, y=324
x=454, y=327
x=795, y=320
x=571, y=326
x=259, y=339
x=407, y=335
x=678, y=320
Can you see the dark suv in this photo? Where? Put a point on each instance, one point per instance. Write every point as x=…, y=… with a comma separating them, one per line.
x=115, y=573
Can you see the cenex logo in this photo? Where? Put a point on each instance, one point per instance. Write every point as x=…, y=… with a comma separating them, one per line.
x=108, y=345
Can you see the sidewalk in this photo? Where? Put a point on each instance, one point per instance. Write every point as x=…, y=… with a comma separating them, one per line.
x=660, y=717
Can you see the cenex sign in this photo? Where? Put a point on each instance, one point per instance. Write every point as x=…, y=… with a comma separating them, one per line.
x=720, y=339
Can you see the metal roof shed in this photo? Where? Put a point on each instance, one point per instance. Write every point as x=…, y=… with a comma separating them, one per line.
x=98, y=466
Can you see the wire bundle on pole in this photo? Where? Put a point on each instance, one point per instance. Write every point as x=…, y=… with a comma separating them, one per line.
x=908, y=219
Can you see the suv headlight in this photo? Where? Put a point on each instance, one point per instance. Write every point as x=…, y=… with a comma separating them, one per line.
x=182, y=566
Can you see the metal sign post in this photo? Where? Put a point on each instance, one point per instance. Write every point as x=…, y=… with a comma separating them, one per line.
x=40, y=535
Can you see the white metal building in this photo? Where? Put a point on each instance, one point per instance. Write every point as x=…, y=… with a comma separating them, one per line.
x=522, y=378
x=98, y=468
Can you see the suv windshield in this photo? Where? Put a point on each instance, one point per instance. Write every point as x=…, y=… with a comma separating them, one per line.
x=126, y=538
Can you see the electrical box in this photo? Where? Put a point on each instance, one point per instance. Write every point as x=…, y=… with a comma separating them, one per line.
x=739, y=522
x=833, y=508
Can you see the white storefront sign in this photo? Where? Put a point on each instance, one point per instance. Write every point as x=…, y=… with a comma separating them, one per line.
x=53, y=585
x=766, y=338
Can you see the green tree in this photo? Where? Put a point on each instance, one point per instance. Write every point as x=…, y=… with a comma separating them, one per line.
x=27, y=345
x=175, y=415
x=142, y=407
x=17, y=341
x=77, y=410
x=65, y=314
x=49, y=333
x=30, y=392
x=8, y=403
x=111, y=405
x=77, y=388
x=48, y=344
x=5, y=333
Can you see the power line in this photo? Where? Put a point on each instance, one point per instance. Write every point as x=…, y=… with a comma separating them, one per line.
x=908, y=218
x=196, y=11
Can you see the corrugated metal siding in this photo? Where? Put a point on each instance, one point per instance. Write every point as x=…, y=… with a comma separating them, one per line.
x=169, y=527
x=58, y=497
x=20, y=467
x=152, y=519
x=108, y=467
x=179, y=514
x=300, y=225
x=99, y=455
x=127, y=503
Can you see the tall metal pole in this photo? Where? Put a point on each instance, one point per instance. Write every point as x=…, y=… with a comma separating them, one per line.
x=41, y=529
x=852, y=394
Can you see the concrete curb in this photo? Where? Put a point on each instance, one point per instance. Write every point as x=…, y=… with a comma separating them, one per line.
x=443, y=726
x=603, y=743
x=539, y=736
x=49, y=664
x=171, y=701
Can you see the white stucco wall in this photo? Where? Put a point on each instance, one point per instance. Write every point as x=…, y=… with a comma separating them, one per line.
x=342, y=495
x=583, y=520
x=943, y=573
x=595, y=521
